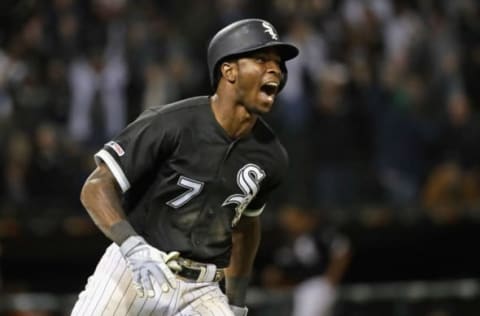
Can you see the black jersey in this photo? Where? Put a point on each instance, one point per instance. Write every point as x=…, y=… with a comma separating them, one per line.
x=308, y=255
x=186, y=183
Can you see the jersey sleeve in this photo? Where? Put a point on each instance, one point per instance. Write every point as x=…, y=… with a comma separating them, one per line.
x=137, y=150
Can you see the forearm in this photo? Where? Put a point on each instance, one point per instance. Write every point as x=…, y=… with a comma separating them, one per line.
x=338, y=265
x=246, y=239
x=101, y=198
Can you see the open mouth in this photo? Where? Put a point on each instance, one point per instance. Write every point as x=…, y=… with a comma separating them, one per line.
x=269, y=88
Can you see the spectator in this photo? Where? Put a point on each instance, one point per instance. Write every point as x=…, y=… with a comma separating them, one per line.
x=402, y=32
x=102, y=73
x=15, y=172
x=468, y=33
x=460, y=133
x=403, y=137
x=13, y=71
x=337, y=134
x=444, y=196
x=62, y=29
x=302, y=73
x=453, y=186
x=57, y=92
x=50, y=161
x=291, y=115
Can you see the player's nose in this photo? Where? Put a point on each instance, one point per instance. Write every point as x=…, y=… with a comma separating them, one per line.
x=273, y=67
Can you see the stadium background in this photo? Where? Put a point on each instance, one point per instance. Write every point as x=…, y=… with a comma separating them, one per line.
x=380, y=117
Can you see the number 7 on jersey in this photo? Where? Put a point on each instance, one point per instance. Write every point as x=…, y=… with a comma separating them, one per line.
x=193, y=189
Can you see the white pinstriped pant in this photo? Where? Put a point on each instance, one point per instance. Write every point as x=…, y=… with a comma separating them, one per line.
x=109, y=292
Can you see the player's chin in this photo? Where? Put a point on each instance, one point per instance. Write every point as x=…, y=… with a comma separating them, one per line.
x=264, y=105
x=261, y=109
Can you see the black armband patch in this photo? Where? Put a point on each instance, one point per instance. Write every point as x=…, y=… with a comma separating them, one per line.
x=236, y=290
x=120, y=231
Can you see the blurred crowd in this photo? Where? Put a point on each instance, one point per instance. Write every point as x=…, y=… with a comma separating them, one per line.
x=380, y=114
x=381, y=110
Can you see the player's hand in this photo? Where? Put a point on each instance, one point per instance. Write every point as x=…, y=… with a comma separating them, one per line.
x=239, y=311
x=148, y=263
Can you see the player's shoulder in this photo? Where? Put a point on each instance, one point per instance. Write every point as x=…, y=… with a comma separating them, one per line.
x=179, y=108
x=267, y=138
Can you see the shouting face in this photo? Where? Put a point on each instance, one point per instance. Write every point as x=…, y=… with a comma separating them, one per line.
x=256, y=78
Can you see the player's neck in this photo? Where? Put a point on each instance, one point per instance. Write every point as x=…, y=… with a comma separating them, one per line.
x=235, y=119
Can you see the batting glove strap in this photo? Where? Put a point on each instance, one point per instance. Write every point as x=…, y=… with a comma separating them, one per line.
x=239, y=311
x=130, y=243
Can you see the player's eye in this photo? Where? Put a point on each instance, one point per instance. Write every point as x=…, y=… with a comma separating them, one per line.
x=260, y=59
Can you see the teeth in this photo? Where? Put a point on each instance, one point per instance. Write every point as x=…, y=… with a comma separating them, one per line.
x=270, y=88
x=272, y=84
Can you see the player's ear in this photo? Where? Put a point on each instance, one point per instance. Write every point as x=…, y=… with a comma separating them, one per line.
x=229, y=71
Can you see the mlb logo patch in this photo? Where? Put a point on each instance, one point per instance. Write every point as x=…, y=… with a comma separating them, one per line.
x=117, y=148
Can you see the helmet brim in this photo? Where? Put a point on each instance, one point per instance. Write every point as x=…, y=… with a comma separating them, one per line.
x=286, y=51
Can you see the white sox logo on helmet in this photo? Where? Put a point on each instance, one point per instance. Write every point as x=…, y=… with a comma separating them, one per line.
x=248, y=180
x=270, y=30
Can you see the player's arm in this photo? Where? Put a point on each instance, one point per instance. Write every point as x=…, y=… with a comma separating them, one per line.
x=245, y=239
x=101, y=197
x=340, y=257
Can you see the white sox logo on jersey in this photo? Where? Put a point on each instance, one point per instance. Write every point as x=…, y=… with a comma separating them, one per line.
x=248, y=179
x=270, y=30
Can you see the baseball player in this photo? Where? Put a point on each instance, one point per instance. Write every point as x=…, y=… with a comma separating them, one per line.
x=311, y=260
x=180, y=190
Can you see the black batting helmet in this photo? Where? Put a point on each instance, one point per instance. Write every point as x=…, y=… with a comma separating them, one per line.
x=242, y=37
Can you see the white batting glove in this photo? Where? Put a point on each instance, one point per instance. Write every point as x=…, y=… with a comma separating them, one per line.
x=148, y=263
x=239, y=311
